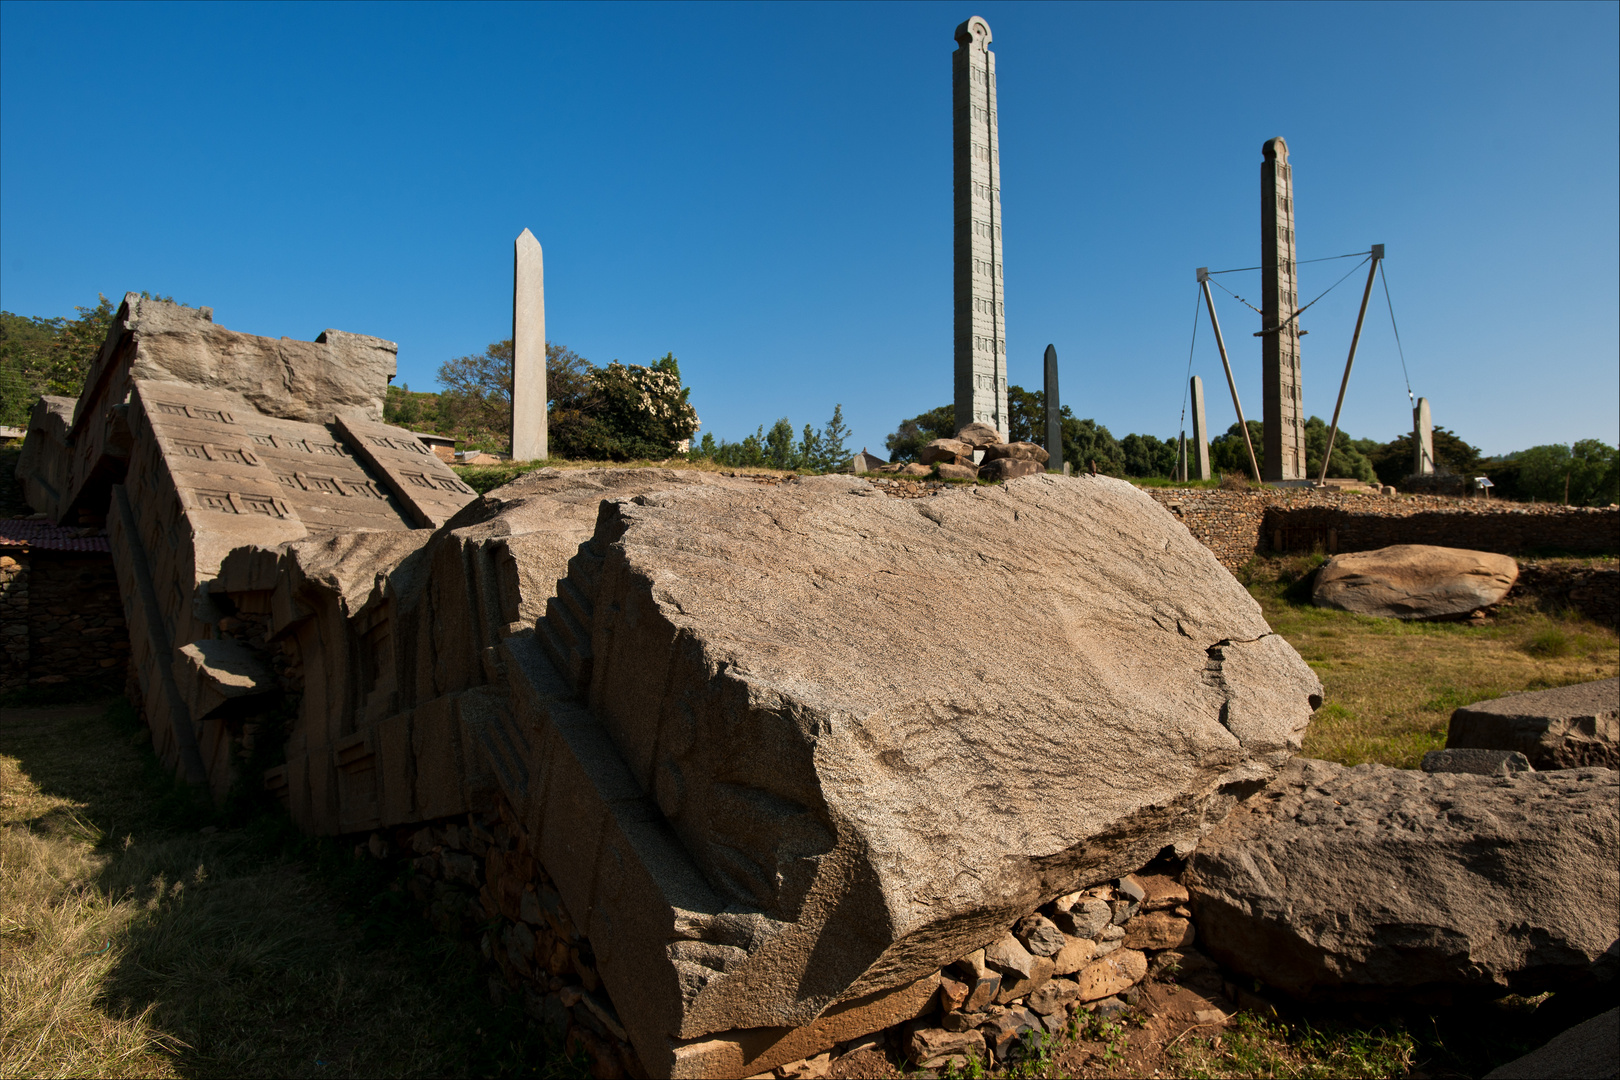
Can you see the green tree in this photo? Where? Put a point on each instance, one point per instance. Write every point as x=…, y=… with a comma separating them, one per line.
x=49, y=356
x=476, y=403
x=917, y=432
x=779, y=450
x=1227, y=454
x=1588, y=471
x=832, y=452
x=1348, y=461
x=805, y=455
x=1026, y=415
x=1392, y=461
x=1086, y=441
x=1148, y=455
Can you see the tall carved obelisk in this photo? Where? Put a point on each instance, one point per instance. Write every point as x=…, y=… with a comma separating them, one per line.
x=980, y=340
x=529, y=421
x=1283, y=410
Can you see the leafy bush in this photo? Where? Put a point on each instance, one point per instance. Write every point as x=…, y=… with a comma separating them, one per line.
x=624, y=412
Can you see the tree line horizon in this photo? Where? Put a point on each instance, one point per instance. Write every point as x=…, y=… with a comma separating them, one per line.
x=633, y=412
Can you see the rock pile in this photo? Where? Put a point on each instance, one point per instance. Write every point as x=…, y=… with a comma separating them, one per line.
x=474, y=876
x=1081, y=951
x=953, y=458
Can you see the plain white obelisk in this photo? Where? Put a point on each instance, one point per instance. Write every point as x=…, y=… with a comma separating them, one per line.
x=529, y=434
x=1422, y=439
x=1198, y=458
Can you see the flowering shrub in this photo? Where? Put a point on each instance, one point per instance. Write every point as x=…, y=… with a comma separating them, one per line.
x=624, y=412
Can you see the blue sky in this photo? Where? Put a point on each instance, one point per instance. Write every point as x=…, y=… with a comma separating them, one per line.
x=766, y=191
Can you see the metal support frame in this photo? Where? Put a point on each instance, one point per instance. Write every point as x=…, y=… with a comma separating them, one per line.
x=1355, y=339
x=1231, y=384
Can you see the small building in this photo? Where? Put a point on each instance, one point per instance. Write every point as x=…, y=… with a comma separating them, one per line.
x=865, y=462
x=443, y=446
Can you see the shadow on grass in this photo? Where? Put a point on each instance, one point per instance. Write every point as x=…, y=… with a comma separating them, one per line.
x=260, y=952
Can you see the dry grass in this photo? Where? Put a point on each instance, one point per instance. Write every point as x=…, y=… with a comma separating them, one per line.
x=1390, y=686
x=135, y=944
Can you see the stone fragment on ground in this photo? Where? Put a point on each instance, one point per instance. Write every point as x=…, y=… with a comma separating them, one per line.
x=954, y=451
x=1158, y=930
x=1113, y=974
x=1587, y=1050
x=1039, y=935
x=1562, y=728
x=1476, y=762
x=979, y=435
x=1338, y=882
x=948, y=471
x=1008, y=469
x=1021, y=451
x=1414, y=581
x=927, y=1047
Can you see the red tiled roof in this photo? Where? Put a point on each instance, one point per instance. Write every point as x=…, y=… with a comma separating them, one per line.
x=41, y=535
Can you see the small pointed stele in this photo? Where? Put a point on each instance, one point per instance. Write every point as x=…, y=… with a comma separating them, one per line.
x=1198, y=459
x=1422, y=439
x=529, y=434
x=1054, y=417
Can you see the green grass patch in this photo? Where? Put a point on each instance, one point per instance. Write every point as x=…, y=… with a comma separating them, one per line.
x=1390, y=686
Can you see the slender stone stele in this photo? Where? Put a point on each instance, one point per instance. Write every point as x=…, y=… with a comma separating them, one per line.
x=529, y=434
x=1198, y=458
x=1054, y=414
x=1422, y=439
x=1283, y=412
x=980, y=338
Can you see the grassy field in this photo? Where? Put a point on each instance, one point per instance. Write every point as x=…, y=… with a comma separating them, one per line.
x=144, y=936
x=1390, y=686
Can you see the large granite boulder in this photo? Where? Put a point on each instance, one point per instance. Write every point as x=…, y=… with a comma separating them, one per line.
x=1414, y=581
x=1587, y=1051
x=950, y=451
x=762, y=802
x=1020, y=451
x=1563, y=728
x=1339, y=882
x=980, y=435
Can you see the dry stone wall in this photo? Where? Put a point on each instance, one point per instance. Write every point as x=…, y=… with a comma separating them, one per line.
x=1237, y=525
x=61, y=619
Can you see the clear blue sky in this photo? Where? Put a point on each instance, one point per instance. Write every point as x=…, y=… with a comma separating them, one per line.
x=766, y=191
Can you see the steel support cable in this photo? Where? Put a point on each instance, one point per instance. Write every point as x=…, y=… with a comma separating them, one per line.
x=1186, y=387
x=1236, y=297
x=1186, y=384
x=1397, y=330
x=1297, y=262
x=1323, y=293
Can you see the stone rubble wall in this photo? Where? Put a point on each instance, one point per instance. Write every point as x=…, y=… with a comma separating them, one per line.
x=1594, y=591
x=474, y=876
x=1238, y=525
x=61, y=620
x=14, y=622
